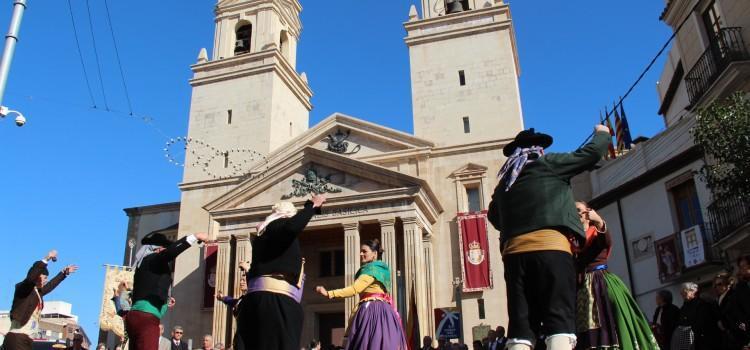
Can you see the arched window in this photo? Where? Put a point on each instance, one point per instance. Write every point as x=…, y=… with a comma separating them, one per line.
x=284, y=43
x=243, y=34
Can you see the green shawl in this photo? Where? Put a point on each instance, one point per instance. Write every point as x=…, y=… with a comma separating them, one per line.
x=379, y=271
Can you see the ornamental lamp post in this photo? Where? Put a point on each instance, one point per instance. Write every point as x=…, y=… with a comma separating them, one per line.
x=457, y=283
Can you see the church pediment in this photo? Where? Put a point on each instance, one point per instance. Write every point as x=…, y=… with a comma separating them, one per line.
x=470, y=169
x=312, y=170
x=351, y=137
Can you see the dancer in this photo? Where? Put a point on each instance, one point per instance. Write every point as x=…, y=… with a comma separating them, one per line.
x=534, y=210
x=28, y=302
x=151, y=283
x=270, y=315
x=608, y=317
x=375, y=324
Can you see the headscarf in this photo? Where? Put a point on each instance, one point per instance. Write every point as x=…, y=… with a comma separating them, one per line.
x=379, y=270
x=516, y=162
x=146, y=250
x=278, y=211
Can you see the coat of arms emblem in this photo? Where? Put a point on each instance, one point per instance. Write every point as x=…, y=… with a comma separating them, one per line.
x=476, y=253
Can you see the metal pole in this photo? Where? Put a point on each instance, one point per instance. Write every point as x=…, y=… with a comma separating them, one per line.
x=457, y=283
x=10, y=44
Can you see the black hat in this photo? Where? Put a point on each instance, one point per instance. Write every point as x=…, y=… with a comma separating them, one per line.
x=527, y=138
x=155, y=238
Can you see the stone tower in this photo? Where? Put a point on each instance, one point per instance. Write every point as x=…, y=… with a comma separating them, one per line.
x=248, y=97
x=464, y=71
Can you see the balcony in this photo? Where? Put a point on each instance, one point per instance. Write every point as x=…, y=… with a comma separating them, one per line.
x=727, y=48
x=727, y=215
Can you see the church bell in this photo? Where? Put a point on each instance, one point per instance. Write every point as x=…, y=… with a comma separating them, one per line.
x=454, y=6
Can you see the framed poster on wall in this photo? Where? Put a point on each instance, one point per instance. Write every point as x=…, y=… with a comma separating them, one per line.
x=668, y=258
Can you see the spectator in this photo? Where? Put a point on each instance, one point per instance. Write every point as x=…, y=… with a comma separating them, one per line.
x=665, y=318
x=77, y=342
x=208, y=342
x=741, y=301
x=426, y=343
x=101, y=346
x=315, y=344
x=219, y=346
x=698, y=323
x=177, y=343
x=477, y=345
x=163, y=341
x=501, y=338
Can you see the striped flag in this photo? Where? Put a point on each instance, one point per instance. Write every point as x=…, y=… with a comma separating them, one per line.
x=612, y=154
x=627, y=140
x=618, y=126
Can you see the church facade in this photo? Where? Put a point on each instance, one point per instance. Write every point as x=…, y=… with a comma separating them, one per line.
x=250, y=146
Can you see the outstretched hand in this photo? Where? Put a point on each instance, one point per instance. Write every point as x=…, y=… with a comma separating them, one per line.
x=70, y=269
x=171, y=302
x=601, y=128
x=322, y=291
x=201, y=236
x=318, y=200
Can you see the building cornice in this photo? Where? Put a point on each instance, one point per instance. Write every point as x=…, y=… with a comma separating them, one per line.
x=152, y=209
x=251, y=64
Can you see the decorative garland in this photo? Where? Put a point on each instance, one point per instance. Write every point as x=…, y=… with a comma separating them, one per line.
x=204, y=154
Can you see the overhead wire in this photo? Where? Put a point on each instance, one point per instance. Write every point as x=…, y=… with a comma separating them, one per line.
x=117, y=55
x=646, y=70
x=96, y=53
x=80, y=55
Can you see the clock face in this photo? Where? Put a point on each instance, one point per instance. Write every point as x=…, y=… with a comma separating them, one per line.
x=642, y=244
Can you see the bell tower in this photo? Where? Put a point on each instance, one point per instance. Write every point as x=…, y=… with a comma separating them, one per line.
x=464, y=71
x=248, y=96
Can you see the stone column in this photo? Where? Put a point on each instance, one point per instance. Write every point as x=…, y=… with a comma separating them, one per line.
x=430, y=284
x=242, y=252
x=415, y=277
x=388, y=237
x=351, y=263
x=223, y=266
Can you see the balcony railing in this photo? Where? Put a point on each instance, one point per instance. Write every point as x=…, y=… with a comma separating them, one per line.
x=727, y=47
x=727, y=215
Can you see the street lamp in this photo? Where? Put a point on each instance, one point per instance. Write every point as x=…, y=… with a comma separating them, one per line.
x=5, y=111
x=457, y=284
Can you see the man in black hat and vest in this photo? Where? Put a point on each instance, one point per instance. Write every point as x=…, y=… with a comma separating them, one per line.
x=151, y=283
x=534, y=210
x=28, y=302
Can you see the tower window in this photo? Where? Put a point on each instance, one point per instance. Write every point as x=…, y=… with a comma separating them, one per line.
x=473, y=199
x=284, y=44
x=242, y=42
x=226, y=159
x=229, y=117
x=461, y=78
x=467, y=126
x=290, y=128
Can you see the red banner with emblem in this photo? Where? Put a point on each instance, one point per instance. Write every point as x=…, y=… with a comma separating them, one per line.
x=210, y=253
x=475, y=252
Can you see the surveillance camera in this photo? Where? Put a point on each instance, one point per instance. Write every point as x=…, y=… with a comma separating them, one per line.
x=20, y=120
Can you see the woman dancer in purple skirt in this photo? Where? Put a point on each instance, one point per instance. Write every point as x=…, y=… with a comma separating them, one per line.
x=375, y=325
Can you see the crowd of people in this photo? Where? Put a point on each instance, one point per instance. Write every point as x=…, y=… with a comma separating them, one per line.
x=715, y=319
x=555, y=250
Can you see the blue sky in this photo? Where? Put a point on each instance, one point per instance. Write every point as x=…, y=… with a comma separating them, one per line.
x=66, y=176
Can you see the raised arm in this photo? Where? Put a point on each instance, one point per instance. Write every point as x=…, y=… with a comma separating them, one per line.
x=173, y=250
x=53, y=283
x=357, y=287
x=571, y=164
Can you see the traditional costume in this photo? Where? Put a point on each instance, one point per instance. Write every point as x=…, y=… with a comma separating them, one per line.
x=27, y=306
x=608, y=317
x=151, y=284
x=533, y=208
x=375, y=323
x=270, y=315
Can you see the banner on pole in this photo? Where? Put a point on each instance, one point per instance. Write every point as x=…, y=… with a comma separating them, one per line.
x=475, y=252
x=108, y=318
x=211, y=251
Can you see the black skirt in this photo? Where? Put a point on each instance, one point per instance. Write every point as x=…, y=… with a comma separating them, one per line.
x=270, y=321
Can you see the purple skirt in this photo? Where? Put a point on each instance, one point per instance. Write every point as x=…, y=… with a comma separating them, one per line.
x=595, y=320
x=375, y=326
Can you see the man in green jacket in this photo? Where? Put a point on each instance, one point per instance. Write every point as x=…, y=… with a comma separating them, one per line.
x=534, y=210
